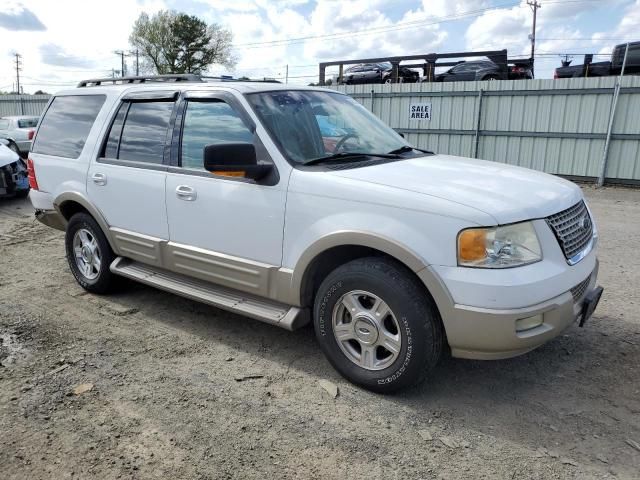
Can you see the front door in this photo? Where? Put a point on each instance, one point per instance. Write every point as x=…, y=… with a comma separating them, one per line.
x=127, y=182
x=226, y=230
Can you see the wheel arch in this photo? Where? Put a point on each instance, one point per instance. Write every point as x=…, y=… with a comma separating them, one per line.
x=69, y=203
x=333, y=250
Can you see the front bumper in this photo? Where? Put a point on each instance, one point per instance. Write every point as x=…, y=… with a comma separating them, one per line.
x=490, y=333
x=487, y=334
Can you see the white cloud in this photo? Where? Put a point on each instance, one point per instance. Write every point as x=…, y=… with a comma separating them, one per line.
x=557, y=31
x=80, y=38
x=83, y=37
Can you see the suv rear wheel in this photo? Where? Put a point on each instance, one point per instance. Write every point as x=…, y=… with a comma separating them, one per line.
x=89, y=254
x=377, y=326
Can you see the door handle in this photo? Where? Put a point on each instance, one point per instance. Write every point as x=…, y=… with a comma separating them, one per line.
x=99, y=178
x=187, y=193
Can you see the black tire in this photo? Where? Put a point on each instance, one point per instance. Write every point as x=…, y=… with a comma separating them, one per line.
x=420, y=324
x=490, y=77
x=105, y=280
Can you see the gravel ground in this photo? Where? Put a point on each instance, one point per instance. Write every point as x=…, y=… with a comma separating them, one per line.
x=168, y=391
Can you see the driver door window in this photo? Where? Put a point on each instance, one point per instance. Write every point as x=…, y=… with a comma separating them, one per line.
x=208, y=123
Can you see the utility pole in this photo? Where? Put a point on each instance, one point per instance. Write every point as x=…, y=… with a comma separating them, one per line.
x=136, y=52
x=123, y=66
x=18, y=68
x=287, y=75
x=534, y=6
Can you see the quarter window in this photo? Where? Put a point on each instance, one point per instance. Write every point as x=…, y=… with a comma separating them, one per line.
x=208, y=123
x=66, y=125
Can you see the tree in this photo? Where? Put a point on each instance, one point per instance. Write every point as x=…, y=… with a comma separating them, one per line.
x=172, y=42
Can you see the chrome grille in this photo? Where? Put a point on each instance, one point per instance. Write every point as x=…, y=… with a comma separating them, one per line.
x=573, y=229
x=578, y=290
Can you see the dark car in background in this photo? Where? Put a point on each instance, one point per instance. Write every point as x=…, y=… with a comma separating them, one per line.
x=14, y=179
x=603, y=69
x=377, y=73
x=484, y=70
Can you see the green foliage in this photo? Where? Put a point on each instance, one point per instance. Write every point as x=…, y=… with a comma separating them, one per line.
x=172, y=42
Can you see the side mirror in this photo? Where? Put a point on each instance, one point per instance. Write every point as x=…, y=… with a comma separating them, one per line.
x=234, y=160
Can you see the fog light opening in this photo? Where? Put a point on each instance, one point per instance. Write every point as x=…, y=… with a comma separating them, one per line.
x=529, y=323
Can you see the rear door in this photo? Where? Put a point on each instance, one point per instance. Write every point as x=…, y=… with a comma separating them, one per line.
x=127, y=181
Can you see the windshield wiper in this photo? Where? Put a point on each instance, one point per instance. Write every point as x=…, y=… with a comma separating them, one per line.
x=349, y=156
x=407, y=149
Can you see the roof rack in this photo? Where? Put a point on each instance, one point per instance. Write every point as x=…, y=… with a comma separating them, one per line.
x=182, y=77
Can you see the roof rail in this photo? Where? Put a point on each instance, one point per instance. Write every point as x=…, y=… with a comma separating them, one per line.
x=229, y=78
x=179, y=77
x=182, y=77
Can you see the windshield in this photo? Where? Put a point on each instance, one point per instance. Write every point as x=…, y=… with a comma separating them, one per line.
x=28, y=122
x=311, y=124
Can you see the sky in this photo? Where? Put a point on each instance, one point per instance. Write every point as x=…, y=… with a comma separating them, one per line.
x=64, y=41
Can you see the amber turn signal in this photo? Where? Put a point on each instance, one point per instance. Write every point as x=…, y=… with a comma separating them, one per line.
x=240, y=173
x=472, y=245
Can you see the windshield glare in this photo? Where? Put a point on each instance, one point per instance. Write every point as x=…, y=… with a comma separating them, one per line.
x=312, y=124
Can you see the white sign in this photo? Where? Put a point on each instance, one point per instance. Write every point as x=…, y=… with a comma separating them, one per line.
x=420, y=111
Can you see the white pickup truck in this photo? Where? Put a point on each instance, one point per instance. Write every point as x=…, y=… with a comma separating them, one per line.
x=291, y=205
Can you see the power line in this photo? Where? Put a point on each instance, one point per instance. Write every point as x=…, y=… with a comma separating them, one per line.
x=382, y=29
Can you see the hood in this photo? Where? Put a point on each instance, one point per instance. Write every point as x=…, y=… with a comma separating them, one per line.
x=7, y=156
x=507, y=193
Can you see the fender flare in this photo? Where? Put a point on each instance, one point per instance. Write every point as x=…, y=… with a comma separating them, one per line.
x=87, y=205
x=356, y=238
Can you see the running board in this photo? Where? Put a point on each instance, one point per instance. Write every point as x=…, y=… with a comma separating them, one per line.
x=268, y=311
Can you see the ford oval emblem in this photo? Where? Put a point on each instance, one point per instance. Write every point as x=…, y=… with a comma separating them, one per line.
x=585, y=222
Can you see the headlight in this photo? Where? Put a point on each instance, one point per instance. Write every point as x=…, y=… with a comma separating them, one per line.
x=499, y=247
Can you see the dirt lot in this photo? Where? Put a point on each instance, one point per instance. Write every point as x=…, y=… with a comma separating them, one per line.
x=169, y=399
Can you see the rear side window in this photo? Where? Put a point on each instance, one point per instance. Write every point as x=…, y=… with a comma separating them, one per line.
x=28, y=122
x=139, y=132
x=66, y=125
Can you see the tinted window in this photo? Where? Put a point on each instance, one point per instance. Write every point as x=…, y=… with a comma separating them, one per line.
x=464, y=67
x=28, y=122
x=113, y=142
x=144, y=132
x=66, y=125
x=208, y=123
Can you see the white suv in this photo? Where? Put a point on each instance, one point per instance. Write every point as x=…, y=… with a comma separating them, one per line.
x=290, y=204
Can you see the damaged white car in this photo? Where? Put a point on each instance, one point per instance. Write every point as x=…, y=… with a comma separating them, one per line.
x=13, y=173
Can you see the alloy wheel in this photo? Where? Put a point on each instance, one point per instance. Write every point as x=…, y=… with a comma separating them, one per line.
x=366, y=330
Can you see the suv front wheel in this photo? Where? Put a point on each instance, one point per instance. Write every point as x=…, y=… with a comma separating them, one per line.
x=89, y=254
x=377, y=326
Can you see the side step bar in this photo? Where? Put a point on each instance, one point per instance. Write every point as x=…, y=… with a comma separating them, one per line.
x=268, y=311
